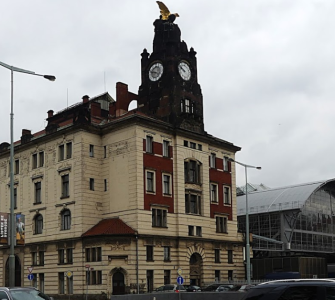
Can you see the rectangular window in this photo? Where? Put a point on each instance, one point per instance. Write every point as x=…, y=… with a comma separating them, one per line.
x=61, y=256
x=221, y=224
x=61, y=154
x=185, y=143
x=99, y=254
x=94, y=254
x=41, y=282
x=167, y=254
x=150, y=281
x=226, y=195
x=150, y=253
x=105, y=185
x=15, y=197
x=191, y=230
x=159, y=217
x=88, y=254
x=230, y=256
x=216, y=255
x=41, y=258
x=198, y=231
x=69, y=285
x=92, y=184
x=199, y=147
x=91, y=150
x=150, y=181
x=65, y=186
x=68, y=150
x=35, y=161
x=99, y=277
x=193, y=145
x=217, y=276
x=69, y=255
x=105, y=151
x=37, y=192
x=166, y=148
x=167, y=276
x=166, y=184
x=148, y=145
x=16, y=166
x=192, y=171
x=34, y=258
x=41, y=159
x=212, y=160
x=187, y=106
x=34, y=281
x=193, y=204
x=214, y=193
x=93, y=277
x=61, y=285
x=230, y=275
x=225, y=163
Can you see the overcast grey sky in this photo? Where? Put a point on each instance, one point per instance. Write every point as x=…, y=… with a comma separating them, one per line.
x=266, y=69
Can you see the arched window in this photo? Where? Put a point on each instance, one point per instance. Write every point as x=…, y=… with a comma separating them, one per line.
x=38, y=222
x=65, y=219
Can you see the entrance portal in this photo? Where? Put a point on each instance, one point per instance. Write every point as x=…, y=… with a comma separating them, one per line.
x=118, y=284
x=17, y=272
x=195, y=269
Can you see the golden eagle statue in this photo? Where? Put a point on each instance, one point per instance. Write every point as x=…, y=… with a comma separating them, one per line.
x=165, y=13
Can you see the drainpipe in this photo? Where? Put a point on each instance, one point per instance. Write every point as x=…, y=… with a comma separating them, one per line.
x=138, y=287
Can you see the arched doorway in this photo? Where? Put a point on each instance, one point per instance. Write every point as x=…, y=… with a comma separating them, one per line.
x=118, y=283
x=17, y=272
x=195, y=269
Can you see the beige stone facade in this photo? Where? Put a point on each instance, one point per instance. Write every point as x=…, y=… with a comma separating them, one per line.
x=115, y=161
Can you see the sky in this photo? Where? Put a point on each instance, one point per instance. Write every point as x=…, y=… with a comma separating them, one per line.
x=266, y=69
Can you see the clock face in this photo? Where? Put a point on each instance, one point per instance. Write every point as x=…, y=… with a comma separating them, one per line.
x=156, y=71
x=184, y=70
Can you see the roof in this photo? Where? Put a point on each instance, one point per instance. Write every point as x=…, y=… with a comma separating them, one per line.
x=283, y=198
x=114, y=226
x=240, y=190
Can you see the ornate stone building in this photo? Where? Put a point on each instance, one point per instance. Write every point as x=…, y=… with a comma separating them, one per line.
x=123, y=200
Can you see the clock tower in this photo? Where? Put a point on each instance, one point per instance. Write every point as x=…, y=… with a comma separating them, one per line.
x=169, y=89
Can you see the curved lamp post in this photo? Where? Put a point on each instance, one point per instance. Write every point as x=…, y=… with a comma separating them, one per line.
x=247, y=238
x=12, y=227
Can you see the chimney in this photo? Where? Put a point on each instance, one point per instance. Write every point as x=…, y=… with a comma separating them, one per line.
x=50, y=113
x=95, y=109
x=26, y=136
x=86, y=99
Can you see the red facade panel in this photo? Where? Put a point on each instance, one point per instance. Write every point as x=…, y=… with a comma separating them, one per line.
x=160, y=165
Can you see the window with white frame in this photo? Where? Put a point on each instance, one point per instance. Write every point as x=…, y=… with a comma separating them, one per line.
x=166, y=148
x=159, y=217
x=192, y=203
x=225, y=163
x=214, y=193
x=192, y=171
x=226, y=195
x=166, y=184
x=149, y=144
x=221, y=224
x=167, y=256
x=212, y=160
x=150, y=181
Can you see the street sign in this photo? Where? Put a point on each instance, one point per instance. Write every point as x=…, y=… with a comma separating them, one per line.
x=30, y=269
x=180, y=280
x=180, y=272
x=87, y=266
x=30, y=276
x=68, y=274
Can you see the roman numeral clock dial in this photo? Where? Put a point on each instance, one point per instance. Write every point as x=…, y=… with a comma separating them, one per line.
x=184, y=70
x=156, y=71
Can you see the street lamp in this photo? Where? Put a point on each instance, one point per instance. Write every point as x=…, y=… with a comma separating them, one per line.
x=247, y=238
x=12, y=235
